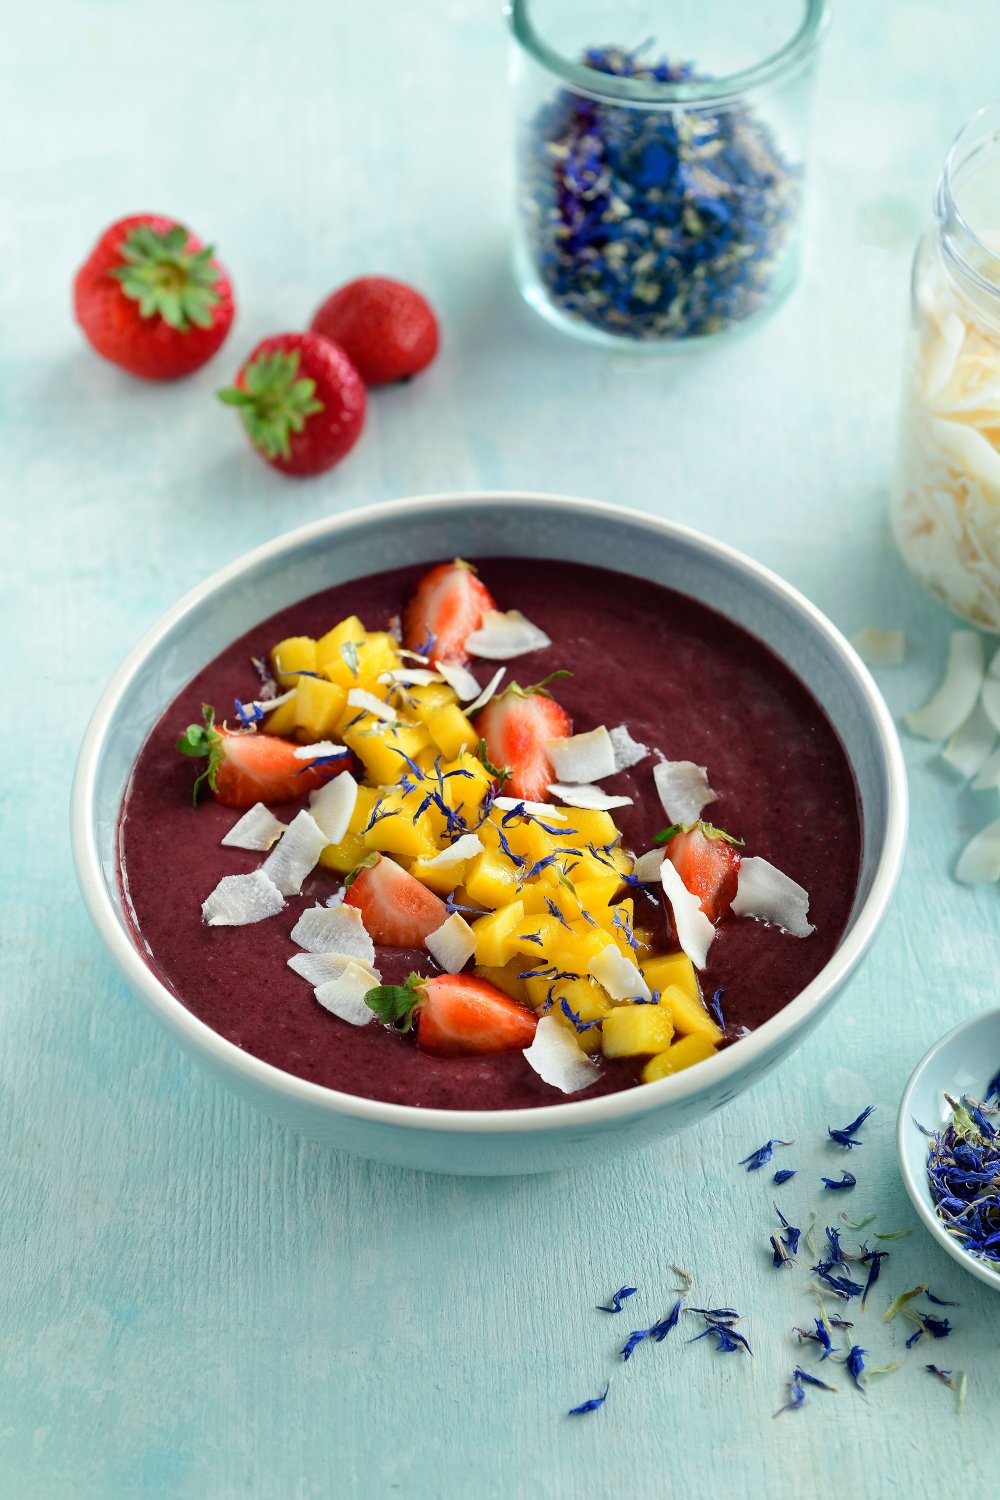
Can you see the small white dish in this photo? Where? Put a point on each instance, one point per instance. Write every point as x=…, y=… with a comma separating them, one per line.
x=962, y=1062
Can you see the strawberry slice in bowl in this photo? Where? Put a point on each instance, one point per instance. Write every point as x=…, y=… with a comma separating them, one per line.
x=516, y=728
x=396, y=908
x=708, y=862
x=245, y=767
x=456, y=1015
x=447, y=605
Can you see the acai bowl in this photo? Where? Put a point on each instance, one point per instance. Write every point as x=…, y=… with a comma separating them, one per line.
x=613, y=963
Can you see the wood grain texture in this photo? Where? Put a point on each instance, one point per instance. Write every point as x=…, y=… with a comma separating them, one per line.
x=193, y=1302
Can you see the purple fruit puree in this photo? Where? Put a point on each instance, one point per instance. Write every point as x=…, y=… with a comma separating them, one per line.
x=678, y=674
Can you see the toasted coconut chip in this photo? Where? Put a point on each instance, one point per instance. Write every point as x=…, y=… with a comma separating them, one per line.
x=694, y=930
x=591, y=797
x=410, y=676
x=465, y=847
x=319, y=751
x=296, y=856
x=458, y=678
x=501, y=636
x=683, y=789
x=320, y=968
x=334, y=929
x=988, y=779
x=880, y=648
x=359, y=698
x=558, y=1059
x=619, y=975
x=257, y=829
x=345, y=995
x=580, y=759
x=333, y=804
x=970, y=745
x=955, y=699
x=488, y=692
x=541, y=809
x=980, y=859
x=628, y=752
x=452, y=944
x=647, y=866
x=239, y=900
x=768, y=895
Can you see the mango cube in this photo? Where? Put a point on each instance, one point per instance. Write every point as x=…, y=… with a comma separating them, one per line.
x=318, y=707
x=689, y=1016
x=378, y=747
x=491, y=879
x=348, y=854
x=505, y=978
x=397, y=831
x=494, y=946
x=282, y=720
x=672, y=968
x=292, y=656
x=451, y=731
x=634, y=1030
x=683, y=1054
x=421, y=702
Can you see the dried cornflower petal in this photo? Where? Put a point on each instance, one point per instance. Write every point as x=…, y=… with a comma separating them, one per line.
x=848, y=1180
x=763, y=1154
x=591, y=1405
x=845, y=1136
x=619, y=1297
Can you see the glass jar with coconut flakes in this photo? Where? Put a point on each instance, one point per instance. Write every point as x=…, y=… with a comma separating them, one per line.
x=946, y=495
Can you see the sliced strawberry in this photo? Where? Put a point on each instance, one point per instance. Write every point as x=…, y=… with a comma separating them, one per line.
x=517, y=727
x=397, y=910
x=245, y=766
x=457, y=1015
x=709, y=866
x=448, y=604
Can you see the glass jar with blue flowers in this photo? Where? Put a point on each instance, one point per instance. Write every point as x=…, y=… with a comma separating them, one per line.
x=660, y=162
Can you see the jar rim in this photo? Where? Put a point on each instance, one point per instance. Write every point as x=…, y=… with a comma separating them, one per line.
x=703, y=92
x=955, y=225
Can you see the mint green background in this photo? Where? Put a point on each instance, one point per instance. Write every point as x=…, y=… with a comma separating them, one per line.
x=193, y=1302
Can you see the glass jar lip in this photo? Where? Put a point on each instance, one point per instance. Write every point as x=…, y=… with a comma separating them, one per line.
x=723, y=90
x=953, y=223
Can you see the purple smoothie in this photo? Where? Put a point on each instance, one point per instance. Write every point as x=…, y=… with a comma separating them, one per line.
x=677, y=673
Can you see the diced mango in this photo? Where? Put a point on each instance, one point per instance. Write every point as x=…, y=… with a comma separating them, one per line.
x=572, y=951
x=537, y=894
x=451, y=731
x=633, y=1030
x=671, y=968
x=689, y=1016
x=505, y=978
x=378, y=747
x=536, y=925
x=291, y=656
x=595, y=895
x=399, y=831
x=282, y=720
x=319, y=706
x=464, y=793
x=441, y=878
x=589, y=1038
x=329, y=648
x=348, y=854
x=494, y=946
x=683, y=1054
x=421, y=702
x=587, y=826
x=363, y=807
x=491, y=879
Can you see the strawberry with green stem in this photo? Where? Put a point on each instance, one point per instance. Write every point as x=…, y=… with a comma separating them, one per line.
x=301, y=402
x=245, y=767
x=456, y=1015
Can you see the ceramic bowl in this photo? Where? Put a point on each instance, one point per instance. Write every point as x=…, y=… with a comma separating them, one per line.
x=963, y=1062
x=379, y=537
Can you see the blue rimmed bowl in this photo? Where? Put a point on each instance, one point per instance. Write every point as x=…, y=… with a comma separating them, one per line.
x=341, y=548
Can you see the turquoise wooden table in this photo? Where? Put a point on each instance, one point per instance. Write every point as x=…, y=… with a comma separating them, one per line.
x=193, y=1302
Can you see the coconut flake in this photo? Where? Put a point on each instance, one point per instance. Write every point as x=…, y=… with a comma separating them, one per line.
x=459, y=679
x=332, y=805
x=334, y=929
x=683, y=789
x=487, y=693
x=619, y=975
x=647, y=866
x=465, y=847
x=583, y=758
x=593, y=798
x=321, y=968
x=980, y=859
x=501, y=636
x=970, y=745
x=768, y=895
x=410, y=677
x=296, y=856
x=880, y=648
x=345, y=995
x=321, y=750
x=694, y=930
x=558, y=1059
x=239, y=900
x=268, y=704
x=538, y=809
x=628, y=752
x=257, y=829
x=955, y=699
x=359, y=698
x=452, y=944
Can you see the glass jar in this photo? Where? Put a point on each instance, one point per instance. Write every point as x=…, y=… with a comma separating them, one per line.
x=946, y=493
x=660, y=185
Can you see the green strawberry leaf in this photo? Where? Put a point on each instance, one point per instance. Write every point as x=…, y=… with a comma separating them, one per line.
x=273, y=401
x=166, y=279
x=203, y=740
x=396, y=1004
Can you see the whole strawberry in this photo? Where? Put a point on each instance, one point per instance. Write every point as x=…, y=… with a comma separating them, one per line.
x=386, y=328
x=152, y=299
x=301, y=401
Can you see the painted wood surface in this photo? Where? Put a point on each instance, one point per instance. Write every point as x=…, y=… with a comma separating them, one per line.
x=193, y=1302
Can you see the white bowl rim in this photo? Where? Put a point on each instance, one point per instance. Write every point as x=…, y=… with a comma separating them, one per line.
x=570, y=1115
x=904, y=1123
